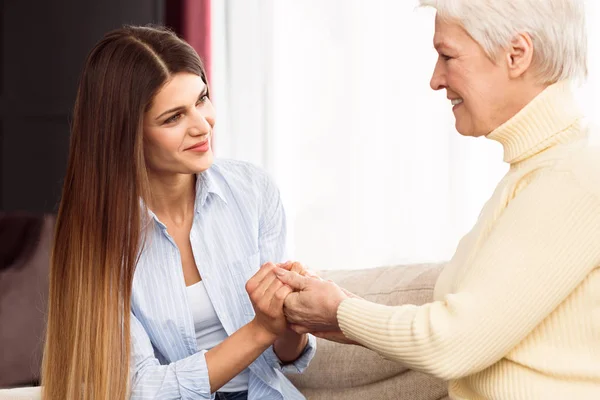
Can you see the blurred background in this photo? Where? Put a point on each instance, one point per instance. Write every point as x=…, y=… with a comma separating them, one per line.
x=331, y=97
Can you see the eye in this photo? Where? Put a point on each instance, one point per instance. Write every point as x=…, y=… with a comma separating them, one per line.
x=172, y=119
x=202, y=99
x=445, y=57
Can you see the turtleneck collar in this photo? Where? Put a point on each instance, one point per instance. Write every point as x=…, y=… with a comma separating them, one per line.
x=547, y=120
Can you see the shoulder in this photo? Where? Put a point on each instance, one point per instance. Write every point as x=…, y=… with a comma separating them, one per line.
x=244, y=177
x=585, y=167
x=574, y=163
x=583, y=163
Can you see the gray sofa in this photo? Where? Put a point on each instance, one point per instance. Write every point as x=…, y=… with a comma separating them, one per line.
x=337, y=372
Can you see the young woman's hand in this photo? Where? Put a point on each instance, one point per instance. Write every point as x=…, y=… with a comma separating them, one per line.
x=267, y=294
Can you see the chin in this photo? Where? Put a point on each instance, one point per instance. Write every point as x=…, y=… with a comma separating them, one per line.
x=204, y=163
x=462, y=130
x=468, y=130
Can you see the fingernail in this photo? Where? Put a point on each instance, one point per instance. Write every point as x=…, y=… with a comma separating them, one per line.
x=279, y=272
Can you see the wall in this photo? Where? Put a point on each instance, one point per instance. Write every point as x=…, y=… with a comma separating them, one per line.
x=43, y=45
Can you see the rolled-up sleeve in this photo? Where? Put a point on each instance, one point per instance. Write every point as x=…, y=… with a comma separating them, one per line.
x=300, y=364
x=184, y=379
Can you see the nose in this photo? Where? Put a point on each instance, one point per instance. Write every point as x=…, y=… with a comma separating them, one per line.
x=438, y=79
x=203, y=121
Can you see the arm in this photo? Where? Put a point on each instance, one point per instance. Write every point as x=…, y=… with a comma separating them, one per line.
x=235, y=353
x=203, y=373
x=542, y=247
x=183, y=379
x=289, y=348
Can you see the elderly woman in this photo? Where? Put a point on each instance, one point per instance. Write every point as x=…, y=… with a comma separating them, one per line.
x=516, y=312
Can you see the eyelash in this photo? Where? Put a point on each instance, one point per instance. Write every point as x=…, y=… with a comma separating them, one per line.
x=445, y=57
x=176, y=117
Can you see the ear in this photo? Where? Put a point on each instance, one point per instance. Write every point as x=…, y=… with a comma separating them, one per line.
x=519, y=55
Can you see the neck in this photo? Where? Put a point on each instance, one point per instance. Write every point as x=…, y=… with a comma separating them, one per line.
x=521, y=95
x=551, y=118
x=173, y=196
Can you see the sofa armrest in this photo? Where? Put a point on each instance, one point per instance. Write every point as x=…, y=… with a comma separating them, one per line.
x=25, y=393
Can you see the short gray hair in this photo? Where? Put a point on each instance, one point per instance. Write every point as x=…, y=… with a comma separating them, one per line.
x=557, y=29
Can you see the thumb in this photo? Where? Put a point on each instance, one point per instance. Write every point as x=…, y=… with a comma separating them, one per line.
x=292, y=279
x=299, y=329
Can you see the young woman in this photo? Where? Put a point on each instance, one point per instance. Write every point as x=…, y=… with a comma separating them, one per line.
x=155, y=287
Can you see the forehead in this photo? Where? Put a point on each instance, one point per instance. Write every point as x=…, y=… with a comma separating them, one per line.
x=450, y=34
x=182, y=89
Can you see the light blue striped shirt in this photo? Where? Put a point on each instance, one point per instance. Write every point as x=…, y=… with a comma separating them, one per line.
x=239, y=224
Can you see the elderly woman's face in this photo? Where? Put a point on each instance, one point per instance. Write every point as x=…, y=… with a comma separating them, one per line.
x=475, y=85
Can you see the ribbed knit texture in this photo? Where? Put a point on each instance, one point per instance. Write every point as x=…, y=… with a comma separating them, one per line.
x=516, y=312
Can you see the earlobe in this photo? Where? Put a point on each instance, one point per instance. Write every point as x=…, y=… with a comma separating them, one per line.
x=520, y=55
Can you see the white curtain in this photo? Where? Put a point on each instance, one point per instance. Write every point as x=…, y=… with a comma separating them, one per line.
x=332, y=97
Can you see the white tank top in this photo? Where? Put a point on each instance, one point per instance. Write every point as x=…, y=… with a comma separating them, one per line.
x=210, y=331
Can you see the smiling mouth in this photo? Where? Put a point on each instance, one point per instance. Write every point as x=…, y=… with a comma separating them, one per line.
x=456, y=102
x=199, y=144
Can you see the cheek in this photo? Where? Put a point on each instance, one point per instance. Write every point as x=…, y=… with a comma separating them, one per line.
x=163, y=140
x=161, y=146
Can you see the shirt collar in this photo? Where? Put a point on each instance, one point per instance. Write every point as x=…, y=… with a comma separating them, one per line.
x=208, y=182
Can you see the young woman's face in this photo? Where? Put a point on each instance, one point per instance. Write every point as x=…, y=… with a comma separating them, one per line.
x=178, y=127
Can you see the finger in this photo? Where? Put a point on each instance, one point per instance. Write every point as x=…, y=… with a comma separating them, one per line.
x=273, y=287
x=279, y=296
x=264, y=270
x=297, y=268
x=264, y=285
x=292, y=279
x=299, y=329
x=285, y=265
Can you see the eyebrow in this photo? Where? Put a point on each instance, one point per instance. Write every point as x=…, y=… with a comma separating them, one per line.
x=442, y=45
x=181, y=108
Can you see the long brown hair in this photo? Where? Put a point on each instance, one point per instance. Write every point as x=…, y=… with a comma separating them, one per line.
x=99, y=226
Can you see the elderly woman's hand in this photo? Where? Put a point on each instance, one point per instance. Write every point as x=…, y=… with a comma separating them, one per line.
x=314, y=302
x=295, y=266
x=335, y=336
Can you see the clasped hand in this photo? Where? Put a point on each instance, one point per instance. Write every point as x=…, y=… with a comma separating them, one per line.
x=289, y=296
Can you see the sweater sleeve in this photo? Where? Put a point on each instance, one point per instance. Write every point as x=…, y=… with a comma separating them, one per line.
x=539, y=250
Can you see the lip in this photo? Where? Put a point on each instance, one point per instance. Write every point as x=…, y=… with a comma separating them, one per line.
x=457, y=105
x=200, y=147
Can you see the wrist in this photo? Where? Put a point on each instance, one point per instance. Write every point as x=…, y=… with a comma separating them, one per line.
x=289, y=346
x=334, y=306
x=289, y=336
x=261, y=334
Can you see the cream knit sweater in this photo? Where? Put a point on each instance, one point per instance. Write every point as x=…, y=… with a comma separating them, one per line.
x=516, y=312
